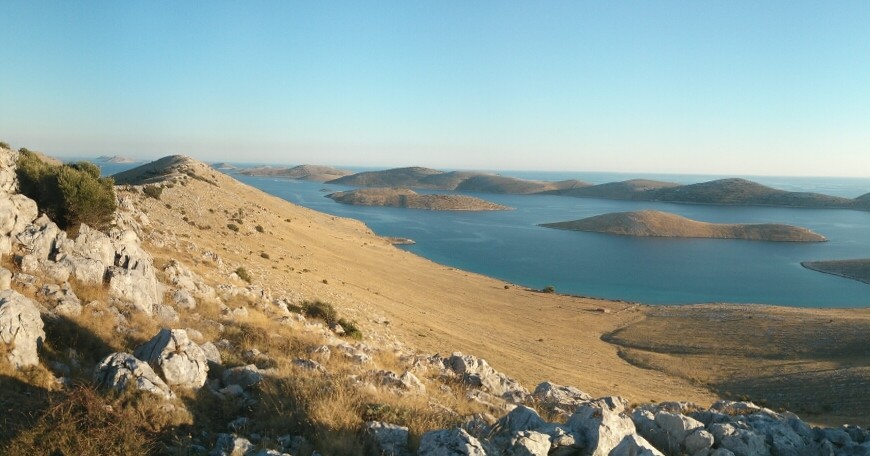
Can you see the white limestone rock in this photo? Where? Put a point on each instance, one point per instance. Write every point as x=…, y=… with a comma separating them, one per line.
x=122, y=370
x=602, y=423
x=21, y=329
x=387, y=439
x=180, y=361
x=478, y=373
x=450, y=442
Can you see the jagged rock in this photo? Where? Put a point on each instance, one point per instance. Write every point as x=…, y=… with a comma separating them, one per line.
x=528, y=443
x=478, y=373
x=232, y=445
x=733, y=408
x=698, y=441
x=183, y=299
x=323, y=353
x=634, y=445
x=309, y=365
x=560, y=399
x=185, y=280
x=26, y=281
x=21, y=327
x=8, y=178
x=521, y=418
x=16, y=212
x=165, y=314
x=180, y=361
x=244, y=376
x=602, y=423
x=5, y=279
x=387, y=439
x=136, y=285
x=91, y=243
x=212, y=354
x=39, y=238
x=450, y=442
x=123, y=370
x=63, y=300
x=676, y=427
x=742, y=442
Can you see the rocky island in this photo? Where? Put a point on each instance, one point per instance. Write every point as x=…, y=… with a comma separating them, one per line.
x=467, y=181
x=851, y=269
x=314, y=173
x=402, y=197
x=663, y=224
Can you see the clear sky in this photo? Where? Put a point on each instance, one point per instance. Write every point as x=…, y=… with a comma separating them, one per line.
x=717, y=87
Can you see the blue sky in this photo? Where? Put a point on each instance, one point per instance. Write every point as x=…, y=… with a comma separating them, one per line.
x=726, y=87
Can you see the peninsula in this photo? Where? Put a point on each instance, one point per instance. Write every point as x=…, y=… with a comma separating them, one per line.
x=664, y=224
x=314, y=173
x=402, y=197
x=851, y=269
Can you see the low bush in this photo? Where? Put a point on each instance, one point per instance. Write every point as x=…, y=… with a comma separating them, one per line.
x=233, y=227
x=153, y=191
x=70, y=194
x=259, y=228
x=243, y=274
x=326, y=312
x=549, y=289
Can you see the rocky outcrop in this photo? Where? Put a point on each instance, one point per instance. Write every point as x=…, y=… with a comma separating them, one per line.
x=450, y=442
x=122, y=370
x=180, y=361
x=387, y=439
x=477, y=373
x=132, y=278
x=20, y=329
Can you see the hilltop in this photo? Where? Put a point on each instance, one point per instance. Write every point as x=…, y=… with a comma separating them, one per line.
x=663, y=224
x=401, y=197
x=732, y=191
x=465, y=181
x=253, y=324
x=315, y=173
x=115, y=159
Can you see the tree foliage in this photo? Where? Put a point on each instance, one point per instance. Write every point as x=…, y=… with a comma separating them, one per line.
x=70, y=194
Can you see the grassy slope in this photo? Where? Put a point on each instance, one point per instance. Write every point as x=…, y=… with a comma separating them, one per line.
x=532, y=336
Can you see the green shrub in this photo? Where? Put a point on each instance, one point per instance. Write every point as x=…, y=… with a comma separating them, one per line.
x=4, y=145
x=264, y=255
x=326, y=312
x=153, y=191
x=259, y=228
x=549, y=289
x=243, y=274
x=70, y=194
x=233, y=227
x=350, y=329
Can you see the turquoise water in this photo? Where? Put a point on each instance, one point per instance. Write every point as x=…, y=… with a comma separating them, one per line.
x=510, y=246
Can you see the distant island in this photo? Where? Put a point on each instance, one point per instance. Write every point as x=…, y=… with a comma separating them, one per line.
x=402, y=197
x=851, y=269
x=732, y=191
x=663, y=224
x=463, y=181
x=224, y=165
x=315, y=173
x=115, y=159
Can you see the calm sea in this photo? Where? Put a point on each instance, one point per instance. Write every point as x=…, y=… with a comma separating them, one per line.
x=510, y=246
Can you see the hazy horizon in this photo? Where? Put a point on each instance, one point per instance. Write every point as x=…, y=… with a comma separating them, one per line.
x=738, y=88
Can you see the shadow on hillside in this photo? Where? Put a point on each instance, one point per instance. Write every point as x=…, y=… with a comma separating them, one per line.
x=21, y=405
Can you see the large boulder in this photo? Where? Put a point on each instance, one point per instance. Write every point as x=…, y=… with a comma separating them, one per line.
x=560, y=399
x=602, y=423
x=738, y=439
x=88, y=255
x=478, y=373
x=40, y=238
x=122, y=370
x=387, y=439
x=16, y=212
x=634, y=445
x=8, y=179
x=450, y=442
x=180, y=361
x=528, y=443
x=21, y=329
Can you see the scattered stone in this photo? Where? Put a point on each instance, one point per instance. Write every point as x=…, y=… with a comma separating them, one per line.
x=560, y=399
x=21, y=328
x=602, y=423
x=387, y=439
x=450, y=442
x=122, y=370
x=180, y=361
x=478, y=373
x=244, y=376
